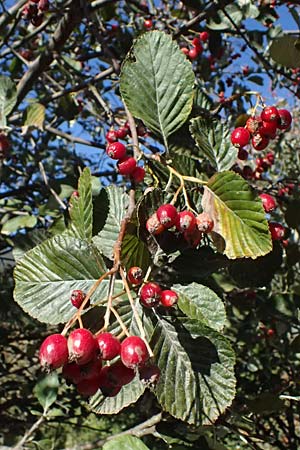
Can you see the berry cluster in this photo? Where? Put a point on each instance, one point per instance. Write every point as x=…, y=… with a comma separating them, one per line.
x=262, y=164
x=197, y=45
x=185, y=222
x=81, y=357
x=34, y=11
x=260, y=130
x=127, y=165
x=4, y=146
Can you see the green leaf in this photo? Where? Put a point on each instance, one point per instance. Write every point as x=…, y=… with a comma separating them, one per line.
x=46, y=390
x=197, y=366
x=213, y=139
x=72, y=63
x=134, y=252
x=35, y=116
x=284, y=51
x=201, y=303
x=8, y=98
x=46, y=275
x=125, y=443
x=129, y=394
x=106, y=239
x=33, y=238
x=81, y=208
x=238, y=216
x=18, y=222
x=157, y=83
x=220, y=22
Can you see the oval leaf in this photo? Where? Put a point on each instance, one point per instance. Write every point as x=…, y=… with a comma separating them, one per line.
x=238, y=215
x=157, y=83
x=285, y=51
x=35, y=116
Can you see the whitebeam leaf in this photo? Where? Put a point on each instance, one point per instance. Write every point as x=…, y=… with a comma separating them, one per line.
x=197, y=379
x=157, y=83
x=125, y=443
x=213, y=140
x=46, y=275
x=238, y=215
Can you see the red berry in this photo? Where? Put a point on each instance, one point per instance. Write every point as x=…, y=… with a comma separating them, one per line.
x=75, y=194
x=126, y=165
x=138, y=174
x=167, y=215
x=37, y=20
x=277, y=231
x=204, y=222
x=259, y=142
x=71, y=372
x=82, y=346
x=240, y=137
x=77, y=297
x=134, y=352
x=204, y=35
x=4, y=145
x=193, y=238
x=270, y=333
x=153, y=225
x=120, y=374
x=88, y=387
x=122, y=132
x=185, y=50
x=111, y=136
x=270, y=114
x=242, y=154
x=197, y=44
x=107, y=387
x=109, y=346
x=116, y=150
x=148, y=24
x=150, y=295
x=269, y=202
x=193, y=53
x=53, y=352
x=252, y=124
x=268, y=129
x=270, y=157
x=285, y=119
x=186, y=221
x=135, y=275
x=168, y=298
x=43, y=5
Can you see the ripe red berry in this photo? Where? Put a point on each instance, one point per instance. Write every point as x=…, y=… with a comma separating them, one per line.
x=53, y=352
x=122, y=132
x=247, y=172
x=240, y=137
x=134, y=352
x=269, y=202
x=135, y=275
x=259, y=142
x=242, y=154
x=285, y=119
x=193, y=238
x=204, y=222
x=252, y=124
x=111, y=136
x=270, y=333
x=185, y=50
x=186, y=221
x=268, y=129
x=167, y=215
x=270, y=114
x=71, y=372
x=126, y=165
x=150, y=295
x=153, y=225
x=107, y=386
x=138, y=174
x=196, y=42
x=193, y=53
x=4, y=146
x=277, y=231
x=168, y=298
x=204, y=35
x=270, y=157
x=77, y=297
x=116, y=150
x=82, y=346
x=148, y=24
x=109, y=346
x=120, y=374
x=88, y=387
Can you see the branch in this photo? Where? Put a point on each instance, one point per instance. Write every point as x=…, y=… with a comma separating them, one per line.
x=73, y=139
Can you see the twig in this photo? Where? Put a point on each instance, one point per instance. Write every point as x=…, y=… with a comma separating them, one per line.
x=73, y=139
x=30, y=432
x=43, y=173
x=133, y=131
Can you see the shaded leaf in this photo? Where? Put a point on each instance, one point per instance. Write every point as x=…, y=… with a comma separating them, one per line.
x=46, y=390
x=285, y=51
x=81, y=208
x=238, y=215
x=8, y=98
x=35, y=116
x=134, y=252
x=125, y=443
x=157, y=83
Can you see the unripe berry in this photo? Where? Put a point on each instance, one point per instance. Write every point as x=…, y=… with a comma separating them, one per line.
x=168, y=298
x=277, y=231
x=186, y=221
x=135, y=275
x=126, y=166
x=259, y=142
x=109, y=346
x=77, y=297
x=138, y=174
x=285, y=119
x=53, y=352
x=150, y=295
x=82, y=346
x=269, y=202
x=240, y=137
x=270, y=114
x=167, y=215
x=134, y=352
x=204, y=222
x=154, y=226
x=116, y=150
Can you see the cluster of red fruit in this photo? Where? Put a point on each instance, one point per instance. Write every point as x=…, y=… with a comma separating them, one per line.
x=81, y=357
x=197, y=45
x=192, y=227
x=260, y=130
x=262, y=164
x=34, y=11
x=4, y=146
x=127, y=165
